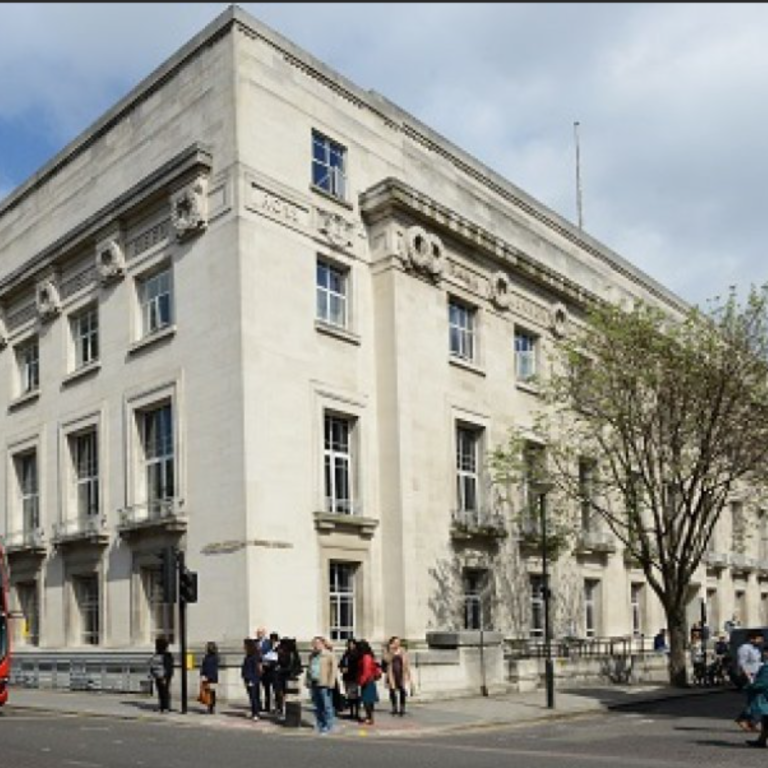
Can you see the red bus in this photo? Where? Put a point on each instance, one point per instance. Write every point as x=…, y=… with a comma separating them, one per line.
x=5, y=635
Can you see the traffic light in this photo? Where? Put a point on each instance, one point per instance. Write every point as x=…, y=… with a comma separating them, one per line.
x=168, y=574
x=187, y=586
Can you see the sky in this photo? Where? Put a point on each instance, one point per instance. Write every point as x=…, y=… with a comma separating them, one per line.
x=671, y=101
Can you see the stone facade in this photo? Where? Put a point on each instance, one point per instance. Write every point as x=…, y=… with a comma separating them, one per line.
x=240, y=276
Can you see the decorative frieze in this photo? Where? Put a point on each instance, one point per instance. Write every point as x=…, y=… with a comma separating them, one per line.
x=338, y=230
x=559, y=320
x=422, y=252
x=110, y=257
x=47, y=298
x=149, y=238
x=189, y=209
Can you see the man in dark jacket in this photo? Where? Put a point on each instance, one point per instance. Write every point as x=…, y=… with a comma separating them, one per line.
x=251, y=674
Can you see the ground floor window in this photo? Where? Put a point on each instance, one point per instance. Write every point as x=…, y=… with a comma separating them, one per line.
x=537, y=606
x=342, y=600
x=87, y=599
x=636, y=598
x=476, y=607
x=591, y=596
x=29, y=605
x=159, y=615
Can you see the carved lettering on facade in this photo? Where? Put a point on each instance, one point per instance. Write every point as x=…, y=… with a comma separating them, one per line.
x=278, y=207
x=528, y=309
x=463, y=275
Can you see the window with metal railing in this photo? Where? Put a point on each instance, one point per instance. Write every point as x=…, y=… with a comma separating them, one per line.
x=526, y=349
x=461, y=330
x=85, y=461
x=339, y=464
x=85, y=336
x=158, y=448
x=87, y=597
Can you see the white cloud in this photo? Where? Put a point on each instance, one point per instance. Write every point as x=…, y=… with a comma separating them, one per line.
x=672, y=101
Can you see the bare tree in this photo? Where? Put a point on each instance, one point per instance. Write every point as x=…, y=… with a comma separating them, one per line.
x=671, y=416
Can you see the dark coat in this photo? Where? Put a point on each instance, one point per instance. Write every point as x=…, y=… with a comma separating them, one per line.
x=757, y=693
x=209, y=669
x=251, y=670
x=168, y=664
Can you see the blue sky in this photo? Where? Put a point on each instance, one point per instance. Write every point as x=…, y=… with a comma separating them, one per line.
x=671, y=98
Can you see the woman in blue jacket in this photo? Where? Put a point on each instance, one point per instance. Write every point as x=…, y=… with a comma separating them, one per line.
x=209, y=674
x=251, y=673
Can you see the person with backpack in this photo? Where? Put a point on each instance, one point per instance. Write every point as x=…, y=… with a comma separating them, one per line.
x=161, y=671
x=369, y=673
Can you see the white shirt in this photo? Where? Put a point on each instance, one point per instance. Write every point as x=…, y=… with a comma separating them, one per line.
x=749, y=658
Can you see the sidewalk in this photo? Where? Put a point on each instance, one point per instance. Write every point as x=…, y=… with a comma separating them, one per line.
x=516, y=709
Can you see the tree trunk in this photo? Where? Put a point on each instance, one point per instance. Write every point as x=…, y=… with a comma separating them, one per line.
x=677, y=627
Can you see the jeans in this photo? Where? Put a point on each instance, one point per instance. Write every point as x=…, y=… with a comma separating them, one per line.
x=163, y=694
x=321, y=698
x=254, y=694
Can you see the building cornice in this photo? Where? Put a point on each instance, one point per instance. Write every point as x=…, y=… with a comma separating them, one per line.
x=392, y=116
x=193, y=160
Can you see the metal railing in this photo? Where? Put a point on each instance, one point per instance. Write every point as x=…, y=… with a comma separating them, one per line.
x=476, y=521
x=29, y=538
x=150, y=512
x=94, y=526
x=573, y=647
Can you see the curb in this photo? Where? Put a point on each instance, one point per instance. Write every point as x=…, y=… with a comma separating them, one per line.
x=683, y=694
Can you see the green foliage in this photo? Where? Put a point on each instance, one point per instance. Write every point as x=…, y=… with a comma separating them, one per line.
x=672, y=414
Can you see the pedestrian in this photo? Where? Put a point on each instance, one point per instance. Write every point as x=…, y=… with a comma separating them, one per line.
x=287, y=667
x=398, y=675
x=348, y=666
x=268, y=650
x=660, y=641
x=757, y=701
x=369, y=672
x=161, y=670
x=749, y=660
x=321, y=680
x=209, y=675
x=251, y=674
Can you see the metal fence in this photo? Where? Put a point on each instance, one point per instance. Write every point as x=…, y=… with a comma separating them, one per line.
x=116, y=673
x=571, y=647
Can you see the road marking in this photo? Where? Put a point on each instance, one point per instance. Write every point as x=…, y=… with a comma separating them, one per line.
x=82, y=763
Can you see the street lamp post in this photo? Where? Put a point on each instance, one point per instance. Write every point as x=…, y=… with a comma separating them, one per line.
x=549, y=675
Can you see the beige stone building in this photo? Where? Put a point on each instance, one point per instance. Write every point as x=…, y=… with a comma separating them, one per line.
x=266, y=316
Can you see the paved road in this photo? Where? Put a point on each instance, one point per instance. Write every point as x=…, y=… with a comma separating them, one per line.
x=680, y=733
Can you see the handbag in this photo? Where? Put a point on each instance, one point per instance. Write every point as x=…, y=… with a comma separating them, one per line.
x=204, y=695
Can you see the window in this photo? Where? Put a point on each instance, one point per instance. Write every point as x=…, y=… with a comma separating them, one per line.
x=29, y=605
x=342, y=597
x=525, y=355
x=636, y=600
x=338, y=464
x=763, y=533
x=28, y=357
x=160, y=614
x=763, y=609
x=157, y=443
x=467, y=450
x=534, y=461
x=85, y=335
x=586, y=494
x=740, y=605
x=26, y=470
x=591, y=587
x=331, y=294
x=738, y=526
x=329, y=162
x=87, y=597
x=155, y=298
x=713, y=611
x=476, y=605
x=85, y=461
x=461, y=322
x=537, y=606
